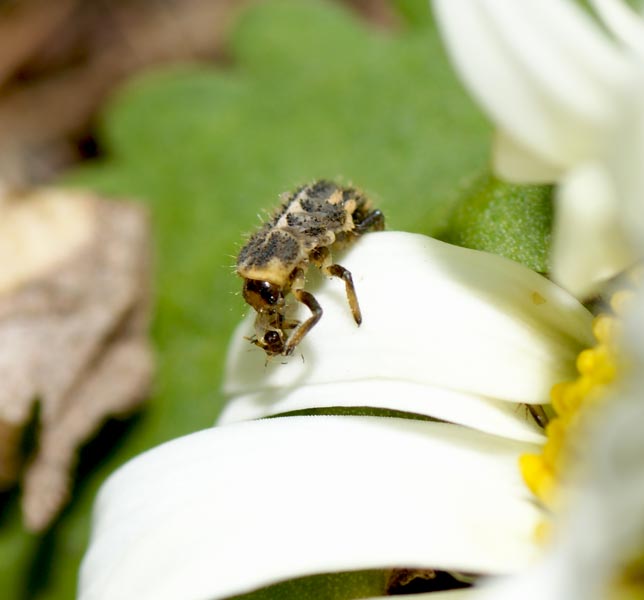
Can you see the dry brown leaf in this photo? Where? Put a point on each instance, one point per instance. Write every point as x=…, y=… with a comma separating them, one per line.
x=70, y=58
x=74, y=304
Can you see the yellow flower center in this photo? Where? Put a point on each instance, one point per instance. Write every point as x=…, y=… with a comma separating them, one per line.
x=598, y=367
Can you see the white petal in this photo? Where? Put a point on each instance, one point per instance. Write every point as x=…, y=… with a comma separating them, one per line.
x=516, y=163
x=625, y=163
x=589, y=244
x=624, y=22
x=464, y=594
x=546, y=581
x=485, y=414
x=433, y=315
x=551, y=579
x=626, y=155
x=229, y=509
x=541, y=70
x=543, y=582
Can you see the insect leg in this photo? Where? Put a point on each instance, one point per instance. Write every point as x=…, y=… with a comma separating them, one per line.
x=298, y=335
x=538, y=414
x=322, y=259
x=345, y=275
x=320, y=256
x=373, y=221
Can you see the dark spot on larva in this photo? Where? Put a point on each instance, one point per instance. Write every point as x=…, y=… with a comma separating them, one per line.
x=322, y=189
x=263, y=247
x=284, y=246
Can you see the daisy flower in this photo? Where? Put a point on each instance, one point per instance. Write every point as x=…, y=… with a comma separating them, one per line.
x=568, y=103
x=458, y=339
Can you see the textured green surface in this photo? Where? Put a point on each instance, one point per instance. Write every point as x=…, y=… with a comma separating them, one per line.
x=338, y=586
x=510, y=220
x=308, y=92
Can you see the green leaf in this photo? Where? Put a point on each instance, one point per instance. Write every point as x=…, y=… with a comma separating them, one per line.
x=308, y=91
x=415, y=13
x=333, y=586
x=514, y=221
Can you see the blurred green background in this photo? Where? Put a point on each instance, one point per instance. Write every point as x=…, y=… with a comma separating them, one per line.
x=307, y=90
